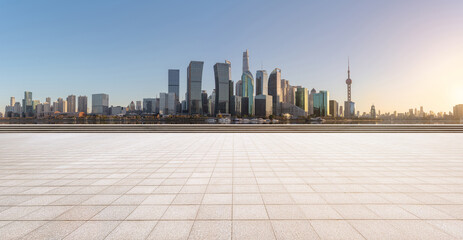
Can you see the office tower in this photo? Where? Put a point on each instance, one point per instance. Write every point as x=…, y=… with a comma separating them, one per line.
x=61, y=105
x=82, y=104
x=150, y=105
x=48, y=100
x=132, y=106
x=117, y=110
x=284, y=90
x=174, y=82
x=292, y=94
x=34, y=105
x=302, y=98
x=246, y=61
x=231, y=88
x=321, y=103
x=204, y=102
x=46, y=107
x=312, y=93
x=458, y=111
x=100, y=104
x=274, y=89
x=138, y=108
x=349, y=106
x=263, y=105
x=71, y=106
x=373, y=111
x=194, y=79
x=12, y=101
x=235, y=105
x=261, y=82
x=334, y=108
x=27, y=104
x=167, y=103
x=222, y=75
x=239, y=88
x=248, y=94
x=211, y=103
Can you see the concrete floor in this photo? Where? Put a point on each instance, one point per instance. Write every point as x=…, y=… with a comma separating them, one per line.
x=223, y=186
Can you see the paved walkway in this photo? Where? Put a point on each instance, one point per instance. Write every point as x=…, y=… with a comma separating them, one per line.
x=223, y=186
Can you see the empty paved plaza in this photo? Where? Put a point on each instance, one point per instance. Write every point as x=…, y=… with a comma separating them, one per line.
x=231, y=186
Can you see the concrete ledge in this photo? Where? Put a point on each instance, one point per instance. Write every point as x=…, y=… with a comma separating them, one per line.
x=230, y=128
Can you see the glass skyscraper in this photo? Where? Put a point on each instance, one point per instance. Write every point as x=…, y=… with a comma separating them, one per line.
x=248, y=92
x=321, y=103
x=302, y=98
x=261, y=82
x=194, y=80
x=274, y=89
x=100, y=104
x=222, y=74
x=174, y=82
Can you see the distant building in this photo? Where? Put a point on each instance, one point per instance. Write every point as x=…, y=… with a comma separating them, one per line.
x=263, y=106
x=274, y=90
x=311, y=95
x=239, y=88
x=334, y=106
x=117, y=110
x=321, y=103
x=222, y=74
x=12, y=101
x=194, y=80
x=27, y=105
x=235, y=105
x=373, y=111
x=302, y=98
x=284, y=90
x=204, y=102
x=82, y=104
x=292, y=94
x=167, y=103
x=138, y=108
x=293, y=110
x=151, y=105
x=458, y=111
x=349, y=106
x=261, y=82
x=174, y=82
x=71, y=103
x=62, y=106
x=246, y=61
x=100, y=104
x=248, y=93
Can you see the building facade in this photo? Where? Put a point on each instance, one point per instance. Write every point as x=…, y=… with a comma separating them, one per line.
x=82, y=102
x=222, y=74
x=194, y=81
x=261, y=82
x=100, y=104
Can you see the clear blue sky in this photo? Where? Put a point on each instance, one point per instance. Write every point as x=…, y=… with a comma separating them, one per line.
x=403, y=53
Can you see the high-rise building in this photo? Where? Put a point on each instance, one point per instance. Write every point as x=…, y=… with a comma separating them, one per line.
x=231, y=88
x=292, y=94
x=349, y=106
x=248, y=94
x=312, y=93
x=194, y=79
x=132, y=106
x=82, y=104
x=48, y=100
x=235, y=105
x=246, y=61
x=12, y=101
x=138, y=107
x=458, y=111
x=239, y=88
x=167, y=103
x=334, y=108
x=100, y=104
x=321, y=103
x=204, y=102
x=28, y=108
x=150, y=105
x=71, y=103
x=61, y=106
x=222, y=74
x=263, y=105
x=274, y=89
x=302, y=98
x=373, y=111
x=174, y=82
x=284, y=90
x=261, y=82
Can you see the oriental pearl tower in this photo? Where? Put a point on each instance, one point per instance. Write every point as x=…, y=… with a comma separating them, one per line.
x=349, y=106
x=348, y=82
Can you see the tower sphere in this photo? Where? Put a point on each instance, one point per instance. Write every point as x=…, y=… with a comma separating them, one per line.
x=348, y=81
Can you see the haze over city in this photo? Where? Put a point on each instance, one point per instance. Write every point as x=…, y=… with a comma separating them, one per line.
x=403, y=55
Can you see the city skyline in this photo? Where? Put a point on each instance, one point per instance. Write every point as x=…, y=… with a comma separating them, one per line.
x=421, y=66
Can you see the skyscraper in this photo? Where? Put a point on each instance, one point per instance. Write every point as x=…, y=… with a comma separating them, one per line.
x=284, y=90
x=239, y=88
x=138, y=108
x=334, y=108
x=261, y=82
x=321, y=103
x=222, y=74
x=12, y=101
x=61, y=106
x=174, y=82
x=246, y=61
x=248, y=94
x=82, y=104
x=274, y=89
x=349, y=106
x=194, y=79
x=100, y=104
x=204, y=102
x=28, y=109
x=71, y=103
x=312, y=93
x=302, y=98
x=373, y=111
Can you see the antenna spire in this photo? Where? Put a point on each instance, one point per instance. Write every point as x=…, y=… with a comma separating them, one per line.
x=348, y=67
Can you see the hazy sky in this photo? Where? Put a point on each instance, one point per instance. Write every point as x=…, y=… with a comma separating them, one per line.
x=403, y=54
